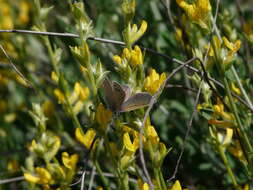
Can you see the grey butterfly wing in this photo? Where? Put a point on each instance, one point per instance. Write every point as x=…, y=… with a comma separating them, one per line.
x=127, y=91
x=136, y=101
x=109, y=94
x=119, y=94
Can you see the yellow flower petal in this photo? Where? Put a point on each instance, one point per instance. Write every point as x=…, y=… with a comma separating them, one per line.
x=132, y=147
x=87, y=138
x=60, y=96
x=69, y=161
x=44, y=175
x=31, y=178
x=117, y=59
x=103, y=115
x=153, y=81
x=176, y=186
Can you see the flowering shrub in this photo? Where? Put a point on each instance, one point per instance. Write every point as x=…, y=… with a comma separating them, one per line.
x=165, y=108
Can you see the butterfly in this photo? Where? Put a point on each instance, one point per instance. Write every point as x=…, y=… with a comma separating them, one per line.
x=119, y=99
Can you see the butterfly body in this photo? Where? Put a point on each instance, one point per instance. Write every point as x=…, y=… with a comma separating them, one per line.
x=119, y=99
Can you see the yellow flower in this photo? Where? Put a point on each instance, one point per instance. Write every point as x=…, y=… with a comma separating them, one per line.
x=133, y=57
x=142, y=186
x=126, y=54
x=24, y=12
x=69, y=161
x=82, y=92
x=230, y=51
x=176, y=186
x=235, y=89
x=234, y=47
x=103, y=115
x=41, y=176
x=246, y=187
x=87, y=138
x=60, y=96
x=197, y=11
x=152, y=134
x=153, y=81
x=225, y=139
x=54, y=77
x=117, y=59
x=7, y=22
x=134, y=34
x=129, y=145
x=219, y=110
x=136, y=57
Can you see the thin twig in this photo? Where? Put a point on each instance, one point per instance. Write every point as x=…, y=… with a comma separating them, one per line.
x=92, y=178
x=181, y=86
x=15, y=179
x=82, y=182
x=15, y=67
x=189, y=126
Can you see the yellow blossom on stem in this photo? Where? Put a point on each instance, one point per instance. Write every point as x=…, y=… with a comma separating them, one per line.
x=176, y=186
x=226, y=138
x=246, y=187
x=136, y=57
x=235, y=89
x=82, y=92
x=41, y=176
x=219, y=110
x=87, y=138
x=103, y=115
x=234, y=47
x=142, y=186
x=60, y=96
x=197, y=11
x=117, y=59
x=133, y=57
x=153, y=81
x=133, y=33
x=24, y=12
x=54, y=77
x=152, y=134
x=129, y=145
x=69, y=161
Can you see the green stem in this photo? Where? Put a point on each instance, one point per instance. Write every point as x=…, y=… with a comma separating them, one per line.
x=56, y=69
x=164, y=187
x=229, y=170
x=245, y=95
x=238, y=120
x=157, y=177
x=72, y=114
x=51, y=54
x=87, y=64
x=104, y=180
